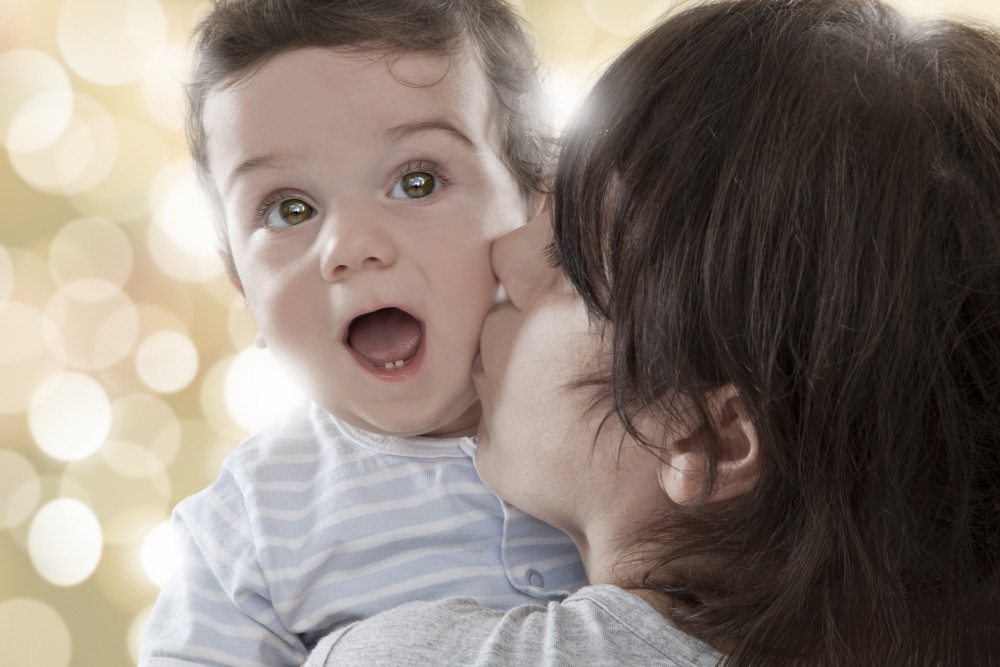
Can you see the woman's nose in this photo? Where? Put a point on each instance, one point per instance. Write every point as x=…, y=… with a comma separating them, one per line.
x=518, y=258
x=351, y=243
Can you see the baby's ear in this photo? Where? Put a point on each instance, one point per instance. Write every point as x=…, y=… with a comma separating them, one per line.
x=234, y=278
x=683, y=470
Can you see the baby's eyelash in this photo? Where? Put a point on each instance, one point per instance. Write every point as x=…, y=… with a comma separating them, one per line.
x=270, y=201
x=423, y=165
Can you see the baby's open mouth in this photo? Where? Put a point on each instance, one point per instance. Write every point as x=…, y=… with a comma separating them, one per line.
x=387, y=338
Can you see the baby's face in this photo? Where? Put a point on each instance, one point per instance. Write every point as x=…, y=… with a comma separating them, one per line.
x=361, y=196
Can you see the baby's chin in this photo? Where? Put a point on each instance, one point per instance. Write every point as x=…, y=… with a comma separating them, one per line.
x=454, y=422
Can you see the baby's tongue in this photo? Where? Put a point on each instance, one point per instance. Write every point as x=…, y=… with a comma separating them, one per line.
x=385, y=336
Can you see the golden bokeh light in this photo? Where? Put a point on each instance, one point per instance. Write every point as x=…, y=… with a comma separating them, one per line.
x=565, y=87
x=94, y=324
x=79, y=158
x=625, y=18
x=127, y=358
x=212, y=397
x=111, y=42
x=99, y=485
x=147, y=423
x=122, y=195
x=130, y=459
x=166, y=361
x=91, y=248
x=21, y=329
x=40, y=122
x=163, y=87
x=37, y=99
x=70, y=416
x=257, y=389
x=9, y=8
x=122, y=581
x=159, y=553
x=182, y=237
x=30, y=371
x=49, y=486
x=6, y=275
x=20, y=489
x=33, y=633
x=184, y=212
x=154, y=318
x=65, y=542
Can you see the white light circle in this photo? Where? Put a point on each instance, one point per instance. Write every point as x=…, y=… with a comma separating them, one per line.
x=122, y=193
x=159, y=553
x=40, y=121
x=78, y=158
x=185, y=214
x=163, y=88
x=91, y=324
x=182, y=238
x=257, y=390
x=111, y=42
x=20, y=489
x=65, y=542
x=166, y=361
x=91, y=248
x=69, y=416
x=32, y=80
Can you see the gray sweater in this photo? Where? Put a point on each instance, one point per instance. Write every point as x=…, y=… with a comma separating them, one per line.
x=598, y=626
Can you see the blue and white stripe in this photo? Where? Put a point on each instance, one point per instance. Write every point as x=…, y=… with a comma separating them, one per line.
x=313, y=523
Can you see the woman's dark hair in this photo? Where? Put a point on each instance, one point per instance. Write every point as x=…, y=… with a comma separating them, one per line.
x=237, y=37
x=802, y=199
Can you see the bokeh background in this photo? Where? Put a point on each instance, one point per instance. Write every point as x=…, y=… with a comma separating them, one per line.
x=126, y=365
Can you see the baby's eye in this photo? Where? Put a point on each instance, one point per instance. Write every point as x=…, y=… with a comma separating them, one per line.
x=414, y=185
x=289, y=212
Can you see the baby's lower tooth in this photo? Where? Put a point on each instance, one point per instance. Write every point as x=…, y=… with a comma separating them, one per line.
x=399, y=363
x=389, y=364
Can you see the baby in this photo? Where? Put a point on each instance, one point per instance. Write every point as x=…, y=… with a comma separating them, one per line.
x=362, y=156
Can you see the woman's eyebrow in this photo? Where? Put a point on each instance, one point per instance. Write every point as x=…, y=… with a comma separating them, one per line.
x=399, y=131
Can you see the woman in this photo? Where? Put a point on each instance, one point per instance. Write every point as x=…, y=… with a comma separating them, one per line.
x=753, y=369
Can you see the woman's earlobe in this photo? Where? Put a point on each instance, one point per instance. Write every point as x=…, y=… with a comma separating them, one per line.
x=683, y=471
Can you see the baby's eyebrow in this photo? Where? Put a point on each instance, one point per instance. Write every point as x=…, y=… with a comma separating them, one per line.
x=398, y=132
x=251, y=164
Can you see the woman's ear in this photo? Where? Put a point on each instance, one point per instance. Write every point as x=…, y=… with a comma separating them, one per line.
x=683, y=470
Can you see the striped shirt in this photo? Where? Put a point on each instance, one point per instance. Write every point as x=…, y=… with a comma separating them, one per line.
x=313, y=523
